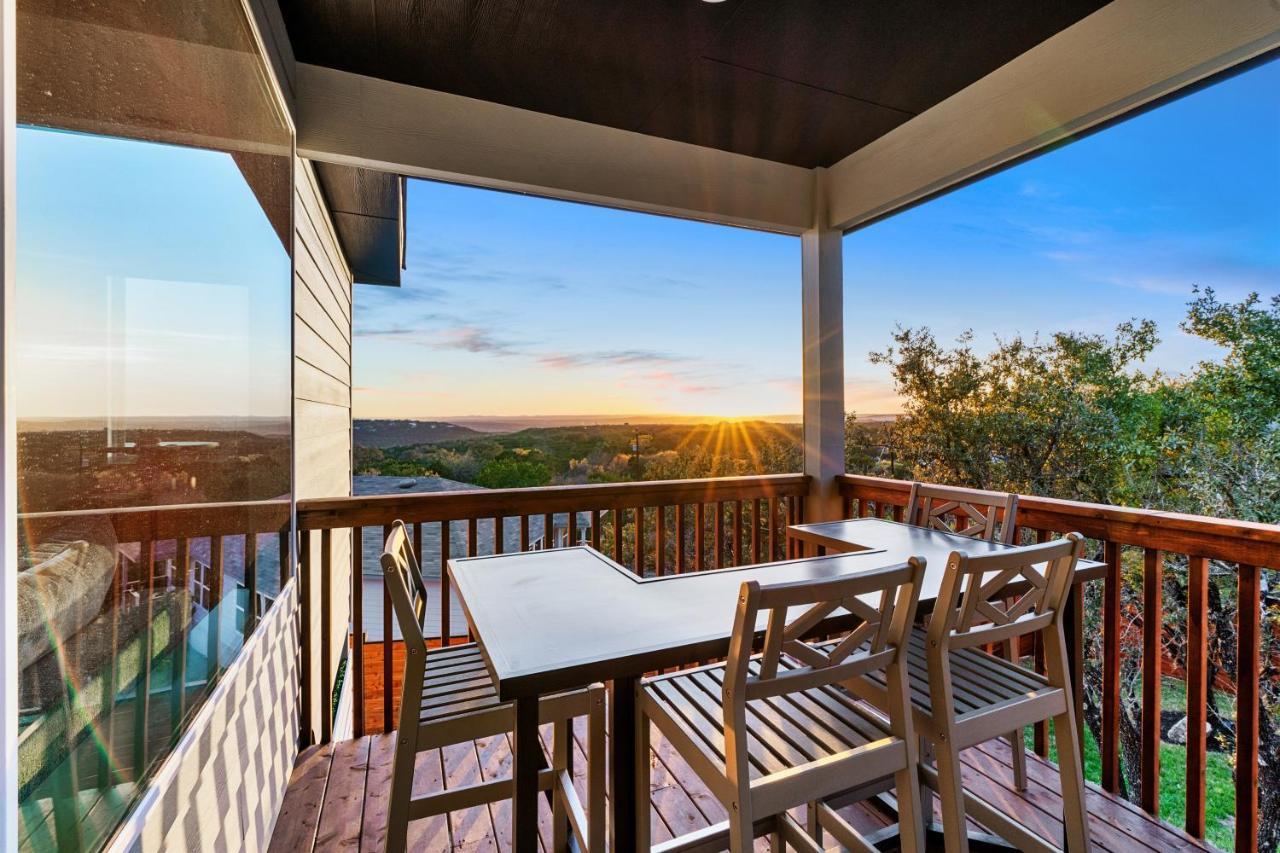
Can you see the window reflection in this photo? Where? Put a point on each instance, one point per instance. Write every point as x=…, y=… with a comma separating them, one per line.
x=152, y=386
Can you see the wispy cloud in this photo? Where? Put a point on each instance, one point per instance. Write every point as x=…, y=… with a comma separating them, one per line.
x=596, y=358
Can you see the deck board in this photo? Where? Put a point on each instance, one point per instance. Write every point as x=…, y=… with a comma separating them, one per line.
x=337, y=799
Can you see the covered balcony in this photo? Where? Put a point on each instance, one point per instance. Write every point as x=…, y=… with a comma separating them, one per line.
x=252, y=694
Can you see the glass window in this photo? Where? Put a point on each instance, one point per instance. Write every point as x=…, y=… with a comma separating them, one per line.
x=152, y=386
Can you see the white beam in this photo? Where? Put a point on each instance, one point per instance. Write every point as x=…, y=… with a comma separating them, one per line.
x=822, y=321
x=363, y=121
x=1125, y=55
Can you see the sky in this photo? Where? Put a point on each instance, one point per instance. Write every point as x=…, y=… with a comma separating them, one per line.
x=513, y=305
x=149, y=283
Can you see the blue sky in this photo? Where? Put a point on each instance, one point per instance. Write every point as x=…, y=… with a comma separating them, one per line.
x=515, y=305
x=149, y=282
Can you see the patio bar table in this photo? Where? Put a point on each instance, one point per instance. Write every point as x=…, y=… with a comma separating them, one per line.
x=563, y=618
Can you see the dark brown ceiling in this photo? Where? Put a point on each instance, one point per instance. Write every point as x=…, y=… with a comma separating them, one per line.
x=798, y=81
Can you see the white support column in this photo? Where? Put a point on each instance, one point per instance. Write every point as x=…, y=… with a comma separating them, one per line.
x=822, y=298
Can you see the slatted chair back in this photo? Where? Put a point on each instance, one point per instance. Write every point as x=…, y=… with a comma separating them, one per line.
x=883, y=599
x=404, y=581
x=977, y=513
x=996, y=598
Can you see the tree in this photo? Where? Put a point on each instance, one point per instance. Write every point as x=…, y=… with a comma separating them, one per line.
x=508, y=472
x=1074, y=417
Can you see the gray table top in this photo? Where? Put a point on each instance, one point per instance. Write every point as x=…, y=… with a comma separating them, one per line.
x=563, y=618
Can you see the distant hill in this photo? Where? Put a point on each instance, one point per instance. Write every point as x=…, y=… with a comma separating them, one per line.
x=383, y=433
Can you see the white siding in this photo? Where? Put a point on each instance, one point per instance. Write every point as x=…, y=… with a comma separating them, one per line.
x=322, y=395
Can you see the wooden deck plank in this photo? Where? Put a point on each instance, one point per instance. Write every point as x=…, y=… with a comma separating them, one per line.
x=1114, y=821
x=377, y=788
x=430, y=833
x=300, y=813
x=337, y=799
x=472, y=829
x=340, y=818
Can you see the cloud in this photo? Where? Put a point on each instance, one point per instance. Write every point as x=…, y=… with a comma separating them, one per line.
x=472, y=339
x=596, y=358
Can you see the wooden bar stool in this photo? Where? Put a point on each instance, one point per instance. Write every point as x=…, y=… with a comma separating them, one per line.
x=962, y=696
x=980, y=514
x=772, y=732
x=448, y=697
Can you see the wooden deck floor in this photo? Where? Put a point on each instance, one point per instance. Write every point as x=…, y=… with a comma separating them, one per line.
x=337, y=800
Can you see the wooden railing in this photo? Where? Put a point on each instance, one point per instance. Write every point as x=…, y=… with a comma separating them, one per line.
x=652, y=528
x=1240, y=546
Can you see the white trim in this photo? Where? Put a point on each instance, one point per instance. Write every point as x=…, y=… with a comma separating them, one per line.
x=362, y=121
x=1127, y=54
x=8, y=457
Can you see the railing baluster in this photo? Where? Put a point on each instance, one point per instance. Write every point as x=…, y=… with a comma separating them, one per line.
x=178, y=674
x=548, y=530
x=473, y=548
x=737, y=533
x=660, y=543
x=619, y=519
x=639, y=543
x=571, y=529
x=1197, y=690
x=1111, y=670
x=1040, y=732
x=251, y=581
x=304, y=640
x=499, y=534
x=446, y=594
x=524, y=533
x=326, y=635
x=699, y=531
x=772, y=506
x=717, y=561
x=388, y=712
x=755, y=530
x=1248, y=650
x=214, y=582
x=1152, y=633
x=680, y=533
x=595, y=529
x=356, y=670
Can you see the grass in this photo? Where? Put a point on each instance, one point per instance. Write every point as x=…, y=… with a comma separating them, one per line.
x=1220, y=799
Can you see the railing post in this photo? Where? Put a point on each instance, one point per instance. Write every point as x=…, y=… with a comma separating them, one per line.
x=822, y=337
x=307, y=686
x=1111, y=669
x=1197, y=690
x=1152, y=635
x=1248, y=650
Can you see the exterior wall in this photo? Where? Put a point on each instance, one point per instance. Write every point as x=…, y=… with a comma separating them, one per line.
x=223, y=786
x=322, y=398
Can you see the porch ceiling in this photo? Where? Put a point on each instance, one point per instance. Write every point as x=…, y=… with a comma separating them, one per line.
x=805, y=82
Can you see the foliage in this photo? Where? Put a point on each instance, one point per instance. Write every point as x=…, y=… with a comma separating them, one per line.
x=1075, y=417
x=510, y=472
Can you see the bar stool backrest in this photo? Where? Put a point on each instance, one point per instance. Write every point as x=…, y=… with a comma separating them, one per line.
x=408, y=591
x=976, y=512
x=995, y=598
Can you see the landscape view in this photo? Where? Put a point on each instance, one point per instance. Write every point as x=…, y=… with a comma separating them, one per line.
x=1078, y=327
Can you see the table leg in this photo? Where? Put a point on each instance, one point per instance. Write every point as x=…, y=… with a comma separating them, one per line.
x=528, y=760
x=622, y=765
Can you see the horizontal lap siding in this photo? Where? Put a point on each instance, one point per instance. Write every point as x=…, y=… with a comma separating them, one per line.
x=322, y=407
